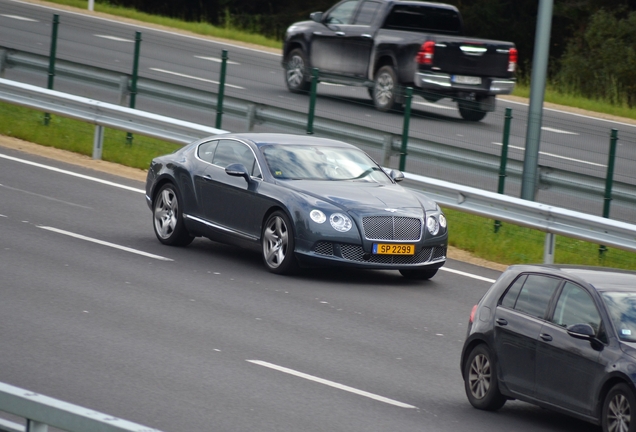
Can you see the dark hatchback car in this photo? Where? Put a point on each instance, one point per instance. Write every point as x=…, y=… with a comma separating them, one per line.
x=560, y=337
x=299, y=200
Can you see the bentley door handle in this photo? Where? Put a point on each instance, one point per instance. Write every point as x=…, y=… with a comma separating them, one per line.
x=340, y=33
x=501, y=321
x=546, y=337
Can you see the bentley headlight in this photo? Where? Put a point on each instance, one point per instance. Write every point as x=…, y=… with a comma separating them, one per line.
x=317, y=216
x=442, y=220
x=340, y=222
x=432, y=225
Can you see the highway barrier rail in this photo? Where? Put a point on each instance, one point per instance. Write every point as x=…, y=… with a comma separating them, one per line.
x=41, y=411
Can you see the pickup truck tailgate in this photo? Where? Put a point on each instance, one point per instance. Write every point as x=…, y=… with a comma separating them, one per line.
x=477, y=59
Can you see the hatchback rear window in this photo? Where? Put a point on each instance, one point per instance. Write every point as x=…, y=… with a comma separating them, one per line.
x=531, y=295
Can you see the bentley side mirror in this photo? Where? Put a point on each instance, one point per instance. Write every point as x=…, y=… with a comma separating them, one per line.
x=238, y=170
x=316, y=16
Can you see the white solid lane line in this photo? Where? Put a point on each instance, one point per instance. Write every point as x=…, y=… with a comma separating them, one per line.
x=82, y=176
x=18, y=17
x=557, y=156
x=216, y=59
x=115, y=38
x=549, y=129
x=434, y=105
x=469, y=275
x=332, y=384
x=105, y=243
x=194, y=78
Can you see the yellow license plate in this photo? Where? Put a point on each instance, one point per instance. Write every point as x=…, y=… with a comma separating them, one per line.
x=393, y=249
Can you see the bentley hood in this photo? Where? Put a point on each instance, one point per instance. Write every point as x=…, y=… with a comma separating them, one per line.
x=365, y=197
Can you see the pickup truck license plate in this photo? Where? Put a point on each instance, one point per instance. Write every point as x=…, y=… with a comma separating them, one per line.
x=393, y=249
x=463, y=79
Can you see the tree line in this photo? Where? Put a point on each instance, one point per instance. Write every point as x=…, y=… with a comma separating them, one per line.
x=592, y=43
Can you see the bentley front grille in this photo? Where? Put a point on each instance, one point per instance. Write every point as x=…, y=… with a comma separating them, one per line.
x=392, y=228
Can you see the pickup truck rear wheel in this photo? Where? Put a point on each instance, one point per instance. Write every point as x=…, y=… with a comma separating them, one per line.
x=469, y=111
x=386, y=89
x=296, y=72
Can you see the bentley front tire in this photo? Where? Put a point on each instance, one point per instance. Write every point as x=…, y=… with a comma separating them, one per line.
x=167, y=217
x=277, y=243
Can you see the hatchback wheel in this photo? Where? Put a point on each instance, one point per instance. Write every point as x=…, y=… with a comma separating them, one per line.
x=480, y=380
x=619, y=410
x=168, y=218
x=278, y=244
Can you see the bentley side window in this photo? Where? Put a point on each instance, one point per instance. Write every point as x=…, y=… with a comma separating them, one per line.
x=206, y=150
x=230, y=152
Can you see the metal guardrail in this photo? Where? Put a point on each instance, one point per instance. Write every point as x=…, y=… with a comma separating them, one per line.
x=42, y=411
x=549, y=219
x=448, y=157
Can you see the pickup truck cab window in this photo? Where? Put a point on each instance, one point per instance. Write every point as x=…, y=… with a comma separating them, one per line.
x=342, y=13
x=367, y=13
x=423, y=19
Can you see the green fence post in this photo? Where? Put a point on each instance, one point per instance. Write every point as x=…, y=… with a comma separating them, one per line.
x=504, y=158
x=56, y=22
x=312, y=101
x=609, y=181
x=405, y=129
x=219, y=101
x=133, y=84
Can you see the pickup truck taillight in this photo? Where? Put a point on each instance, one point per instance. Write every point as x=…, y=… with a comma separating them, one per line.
x=426, y=52
x=512, y=59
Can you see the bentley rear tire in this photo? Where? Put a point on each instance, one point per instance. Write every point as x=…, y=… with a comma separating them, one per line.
x=167, y=215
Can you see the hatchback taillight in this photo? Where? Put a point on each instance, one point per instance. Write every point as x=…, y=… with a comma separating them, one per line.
x=426, y=53
x=472, y=315
x=512, y=59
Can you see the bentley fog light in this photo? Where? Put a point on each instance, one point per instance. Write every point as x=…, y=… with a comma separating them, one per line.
x=340, y=222
x=317, y=216
x=432, y=225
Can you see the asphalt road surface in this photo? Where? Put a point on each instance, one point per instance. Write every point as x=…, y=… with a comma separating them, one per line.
x=96, y=312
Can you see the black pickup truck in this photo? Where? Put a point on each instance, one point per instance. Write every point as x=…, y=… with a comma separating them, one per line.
x=388, y=45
